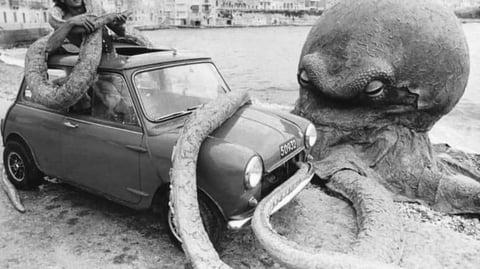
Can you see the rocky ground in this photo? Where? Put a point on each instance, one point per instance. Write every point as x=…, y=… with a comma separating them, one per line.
x=68, y=228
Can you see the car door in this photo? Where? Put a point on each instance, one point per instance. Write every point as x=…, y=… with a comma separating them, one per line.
x=101, y=141
x=39, y=126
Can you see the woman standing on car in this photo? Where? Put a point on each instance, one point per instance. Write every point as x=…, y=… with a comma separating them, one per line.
x=70, y=21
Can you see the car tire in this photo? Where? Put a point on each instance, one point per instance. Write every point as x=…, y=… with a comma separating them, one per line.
x=211, y=217
x=20, y=166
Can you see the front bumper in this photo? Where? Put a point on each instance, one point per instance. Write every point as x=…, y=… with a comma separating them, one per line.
x=305, y=174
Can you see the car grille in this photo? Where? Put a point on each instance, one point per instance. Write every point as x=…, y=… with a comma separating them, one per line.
x=280, y=174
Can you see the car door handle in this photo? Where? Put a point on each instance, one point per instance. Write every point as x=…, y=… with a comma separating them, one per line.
x=70, y=125
x=137, y=148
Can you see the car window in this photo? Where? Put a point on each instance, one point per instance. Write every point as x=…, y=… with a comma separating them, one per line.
x=108, y=99
x=178, y=88
x=56, y=76
x=111, y=101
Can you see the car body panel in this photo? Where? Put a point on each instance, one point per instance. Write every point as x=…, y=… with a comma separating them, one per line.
x=39, y=129
x=101, y=158
x=270, y=132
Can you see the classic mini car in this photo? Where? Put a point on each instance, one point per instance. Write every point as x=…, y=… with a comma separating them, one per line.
x=117, y=141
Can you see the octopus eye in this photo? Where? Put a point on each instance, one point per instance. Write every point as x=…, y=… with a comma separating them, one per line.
x=303, y=78
x=374, y=88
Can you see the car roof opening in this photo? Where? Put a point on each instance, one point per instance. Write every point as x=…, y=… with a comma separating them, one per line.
x=136, y=50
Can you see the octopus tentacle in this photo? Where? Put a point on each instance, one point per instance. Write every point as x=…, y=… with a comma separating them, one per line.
x=78, y=81
x=11, y=192
x=381, y=234
x=379, y=242
x=198, y=248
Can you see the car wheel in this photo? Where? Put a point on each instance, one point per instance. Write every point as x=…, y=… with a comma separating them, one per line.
x=20, y=166
x=211, y=217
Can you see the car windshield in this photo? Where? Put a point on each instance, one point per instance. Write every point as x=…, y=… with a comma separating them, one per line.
x=172, y=90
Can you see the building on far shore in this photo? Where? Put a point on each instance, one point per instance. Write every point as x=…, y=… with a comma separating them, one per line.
x=22, y=21
x=23, y=14
x=163, y=13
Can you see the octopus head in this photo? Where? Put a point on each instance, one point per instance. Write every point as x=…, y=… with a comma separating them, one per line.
x=377, y=62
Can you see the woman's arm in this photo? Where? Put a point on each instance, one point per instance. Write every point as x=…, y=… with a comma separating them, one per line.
x=118, y=21
x=72, y=27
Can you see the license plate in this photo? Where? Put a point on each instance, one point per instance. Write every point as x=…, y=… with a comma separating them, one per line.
x=288, y=147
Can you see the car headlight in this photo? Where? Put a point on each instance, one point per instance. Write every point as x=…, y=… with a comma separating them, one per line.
x=310, y=136
x=253, y=172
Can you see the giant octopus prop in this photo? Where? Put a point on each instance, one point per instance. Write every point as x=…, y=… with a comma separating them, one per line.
x=374, y=77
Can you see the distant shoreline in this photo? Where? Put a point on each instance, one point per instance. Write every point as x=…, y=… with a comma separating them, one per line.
x=154, y=28
x=470, y=20
x=24, y=37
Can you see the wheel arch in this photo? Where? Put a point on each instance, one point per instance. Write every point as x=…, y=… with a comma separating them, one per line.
x=17, y=137
x=163, y=190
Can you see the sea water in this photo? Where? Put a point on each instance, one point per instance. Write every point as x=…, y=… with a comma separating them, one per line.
x=264, y=60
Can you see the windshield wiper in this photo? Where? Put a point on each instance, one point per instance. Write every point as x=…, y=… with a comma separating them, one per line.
x=174, y=115
x=178, y=113
x=193, y=108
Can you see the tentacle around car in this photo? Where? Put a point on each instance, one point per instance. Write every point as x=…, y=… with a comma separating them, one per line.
x=11, y=192
x=198, y=248
x=78, y=81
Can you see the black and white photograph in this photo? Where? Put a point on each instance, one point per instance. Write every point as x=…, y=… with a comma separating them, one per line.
x=203, y=134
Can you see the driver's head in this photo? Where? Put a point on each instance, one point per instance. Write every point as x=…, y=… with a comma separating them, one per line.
x=108, y=93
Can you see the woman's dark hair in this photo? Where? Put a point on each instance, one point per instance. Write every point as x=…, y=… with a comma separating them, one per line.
x=60, y=4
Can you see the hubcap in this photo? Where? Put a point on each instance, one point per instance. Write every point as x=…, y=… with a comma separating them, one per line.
x=16, y=166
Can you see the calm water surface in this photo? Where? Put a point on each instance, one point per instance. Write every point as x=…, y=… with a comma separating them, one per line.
x=264, y=60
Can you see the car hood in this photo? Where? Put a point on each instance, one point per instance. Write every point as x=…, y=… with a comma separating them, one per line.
x=263, y=131
x=250, y=129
